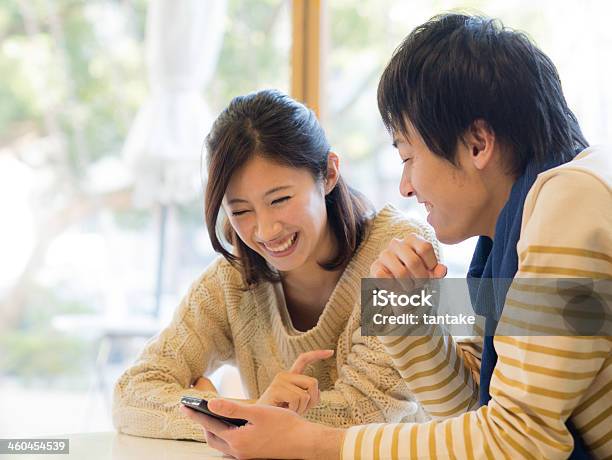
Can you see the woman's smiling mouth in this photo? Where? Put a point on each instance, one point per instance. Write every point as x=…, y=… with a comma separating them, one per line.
x=282, y=247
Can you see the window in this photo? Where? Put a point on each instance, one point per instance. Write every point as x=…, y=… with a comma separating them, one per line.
x=82, y=223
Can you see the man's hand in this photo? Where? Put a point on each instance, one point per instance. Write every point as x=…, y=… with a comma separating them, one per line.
x=412, y=257
x=293, y=390
x=272, y=432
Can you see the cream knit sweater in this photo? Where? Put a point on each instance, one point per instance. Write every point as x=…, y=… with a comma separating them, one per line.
x=219, y=321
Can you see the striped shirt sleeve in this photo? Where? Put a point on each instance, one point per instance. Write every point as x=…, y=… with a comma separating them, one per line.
x=437, y=370
x=540, y=380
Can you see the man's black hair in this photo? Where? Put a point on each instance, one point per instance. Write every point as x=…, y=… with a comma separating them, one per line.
x=455, y=69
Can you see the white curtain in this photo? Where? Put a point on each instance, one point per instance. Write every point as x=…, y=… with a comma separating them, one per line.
x=163, y=147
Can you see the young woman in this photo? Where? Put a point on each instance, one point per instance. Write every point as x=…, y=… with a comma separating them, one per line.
x=295, y=242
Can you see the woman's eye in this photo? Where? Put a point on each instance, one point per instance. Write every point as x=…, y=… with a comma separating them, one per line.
x=405, y=160
x=281, y=200
x=238, y=213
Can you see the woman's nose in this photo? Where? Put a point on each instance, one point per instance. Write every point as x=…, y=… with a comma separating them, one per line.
x=267, y=228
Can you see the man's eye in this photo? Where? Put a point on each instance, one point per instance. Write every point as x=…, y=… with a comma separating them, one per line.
x=238, y=213
x=281, y=200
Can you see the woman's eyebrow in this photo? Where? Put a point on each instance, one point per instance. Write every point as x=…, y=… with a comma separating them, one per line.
x=269, y=192
x=236, y=200
x=277, y=189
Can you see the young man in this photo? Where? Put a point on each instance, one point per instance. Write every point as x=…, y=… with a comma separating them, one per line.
x=491, y=148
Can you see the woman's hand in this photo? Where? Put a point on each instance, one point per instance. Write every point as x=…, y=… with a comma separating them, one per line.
x=272, y=432
x=291, y=389
x=412, y=257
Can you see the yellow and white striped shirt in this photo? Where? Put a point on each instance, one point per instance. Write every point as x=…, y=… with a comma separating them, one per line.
x=540, y=380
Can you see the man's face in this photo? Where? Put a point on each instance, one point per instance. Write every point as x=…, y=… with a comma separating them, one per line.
x=454, y=196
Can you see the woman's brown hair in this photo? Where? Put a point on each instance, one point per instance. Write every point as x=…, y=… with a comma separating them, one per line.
x=271, y=124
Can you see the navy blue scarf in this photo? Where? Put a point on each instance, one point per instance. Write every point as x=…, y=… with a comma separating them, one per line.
x=495, y=263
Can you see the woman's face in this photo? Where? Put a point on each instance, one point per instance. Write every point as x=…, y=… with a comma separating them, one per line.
x=279, y=212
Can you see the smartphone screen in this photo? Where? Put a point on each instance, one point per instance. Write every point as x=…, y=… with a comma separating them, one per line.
x=201, y=405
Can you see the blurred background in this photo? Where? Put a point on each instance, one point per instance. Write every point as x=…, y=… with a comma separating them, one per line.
x=104, y=105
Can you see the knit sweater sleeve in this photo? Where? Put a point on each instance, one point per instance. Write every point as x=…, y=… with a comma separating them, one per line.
x=197, y=341
x=369, y=389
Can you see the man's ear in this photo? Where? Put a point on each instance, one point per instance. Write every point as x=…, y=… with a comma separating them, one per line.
x=333, y=171
x=481, y=143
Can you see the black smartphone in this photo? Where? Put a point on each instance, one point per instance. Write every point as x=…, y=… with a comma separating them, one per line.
x=201, y=405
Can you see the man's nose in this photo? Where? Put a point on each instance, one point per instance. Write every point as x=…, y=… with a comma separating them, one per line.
x=406, y=189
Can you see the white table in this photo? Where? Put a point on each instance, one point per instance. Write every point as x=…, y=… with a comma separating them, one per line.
x=115, y=446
